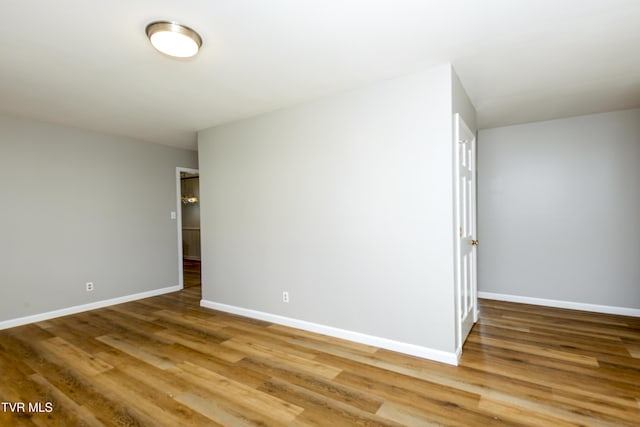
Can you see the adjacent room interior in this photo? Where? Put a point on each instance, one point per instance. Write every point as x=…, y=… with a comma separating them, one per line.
x=390, y=213
x=189, y=227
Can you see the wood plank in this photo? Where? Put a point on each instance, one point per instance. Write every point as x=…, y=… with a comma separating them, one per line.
x=321, y=410
x=80, y=415
x=221, y=413
x=535, y=350
x=578, y=345
x=348, y=395
x=406, y=415
x=271, y=408
x=430, y=402
x=604, y=371
x=84, y=362
x=513, y=414
x=152, y=403
x=133, y=350
x=633, y=349
x=307, y=365
x=211, y=326
x=203, y=345
x=105, y=407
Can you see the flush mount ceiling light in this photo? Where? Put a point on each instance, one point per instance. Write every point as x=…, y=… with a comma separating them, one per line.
x=174, y=39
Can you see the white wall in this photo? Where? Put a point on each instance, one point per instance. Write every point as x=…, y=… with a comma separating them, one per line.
x=559, y=203
x=346, y=203
x=80, y=206
x=462, y=103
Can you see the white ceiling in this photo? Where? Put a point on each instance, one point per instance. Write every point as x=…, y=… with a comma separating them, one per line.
x=88, y=63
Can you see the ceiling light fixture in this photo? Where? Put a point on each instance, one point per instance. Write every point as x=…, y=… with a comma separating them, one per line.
x=174, y=39
x=189, y=199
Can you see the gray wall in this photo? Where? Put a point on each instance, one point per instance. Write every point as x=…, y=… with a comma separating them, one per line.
x=559, y=209
x=79, y=206
x=346, y=203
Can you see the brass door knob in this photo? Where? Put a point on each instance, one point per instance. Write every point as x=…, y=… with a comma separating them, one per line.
x=475, y=242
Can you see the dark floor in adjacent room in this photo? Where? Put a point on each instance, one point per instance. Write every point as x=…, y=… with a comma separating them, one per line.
x=192, y=272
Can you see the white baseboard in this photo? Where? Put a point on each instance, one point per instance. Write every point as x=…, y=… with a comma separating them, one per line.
x=608, y=309
x=11, y=323
x=400, y=347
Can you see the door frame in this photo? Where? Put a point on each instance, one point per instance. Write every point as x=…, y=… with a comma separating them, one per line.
x=461, y=130
x=179, y=220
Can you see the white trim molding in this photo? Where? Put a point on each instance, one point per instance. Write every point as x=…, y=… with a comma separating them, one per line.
x=11, y=323
x=400, y=347
x=608, y=309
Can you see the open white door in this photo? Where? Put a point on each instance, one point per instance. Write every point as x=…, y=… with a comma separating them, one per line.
x=465, y=230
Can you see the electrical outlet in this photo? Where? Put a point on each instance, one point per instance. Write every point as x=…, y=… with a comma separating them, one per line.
x=89, y=286
x=285, y=296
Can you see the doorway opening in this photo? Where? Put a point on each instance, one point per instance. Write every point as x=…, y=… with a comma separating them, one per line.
x=188, y=218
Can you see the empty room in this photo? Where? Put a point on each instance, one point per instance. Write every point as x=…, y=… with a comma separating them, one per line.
x=304, y=213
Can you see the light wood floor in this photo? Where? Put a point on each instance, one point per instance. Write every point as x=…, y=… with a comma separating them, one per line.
x=165, y=361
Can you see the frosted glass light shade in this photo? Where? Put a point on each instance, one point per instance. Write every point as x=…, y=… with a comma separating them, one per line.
x=174, y=39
